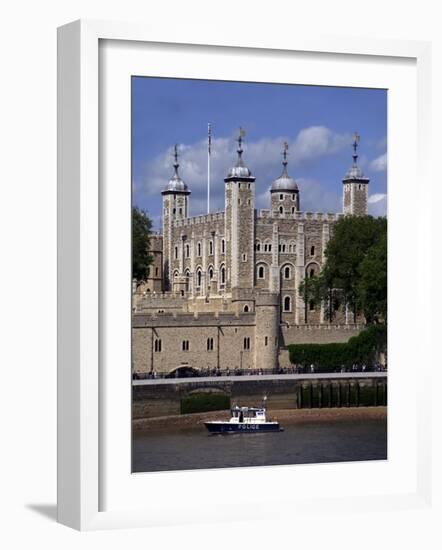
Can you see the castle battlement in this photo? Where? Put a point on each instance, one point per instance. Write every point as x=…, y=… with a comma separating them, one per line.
x=198, y=220
x=187, y=320
x=318, y=216
x=323, y=327
x=266, y=216
x=163, y=296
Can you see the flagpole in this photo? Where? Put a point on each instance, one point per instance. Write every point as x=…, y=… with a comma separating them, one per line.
x=209, y=140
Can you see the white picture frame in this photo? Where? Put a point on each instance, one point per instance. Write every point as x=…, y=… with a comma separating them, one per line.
x=80, y=261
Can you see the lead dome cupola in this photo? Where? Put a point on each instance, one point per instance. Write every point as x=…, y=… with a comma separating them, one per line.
x=354, y=173
x=240, y=170
x=284, y=182
x=176, y=184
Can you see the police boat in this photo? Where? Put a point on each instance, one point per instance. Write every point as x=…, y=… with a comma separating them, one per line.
x=244, y=420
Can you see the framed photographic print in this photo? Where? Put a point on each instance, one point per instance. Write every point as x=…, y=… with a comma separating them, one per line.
x=224, y=327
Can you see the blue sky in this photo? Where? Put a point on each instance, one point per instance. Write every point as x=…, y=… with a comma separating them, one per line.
x=317, y=122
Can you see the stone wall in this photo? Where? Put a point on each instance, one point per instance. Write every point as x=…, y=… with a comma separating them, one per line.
x=201, y=342
x=289, y=392
x=318, y=334
x=246, y=341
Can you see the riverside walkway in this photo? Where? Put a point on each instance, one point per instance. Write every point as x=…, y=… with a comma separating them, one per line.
x=262, y=377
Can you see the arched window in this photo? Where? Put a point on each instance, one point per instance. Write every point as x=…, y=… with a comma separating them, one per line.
x=198, y=278
x=258, y=246
x=210, y=273
x=281, y=210
x=246, y=309
x=223, y=274
x=261, y=272
x=198, y=249
x=287, y=273
x=312, y=272
x=210, y=248
x=287, y=303
x=312, y=251
x=175, y=274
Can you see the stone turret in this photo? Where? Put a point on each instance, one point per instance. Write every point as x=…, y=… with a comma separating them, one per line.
x=267, y=330
x=240, y=221
x=175, y=207
x=355, y=191
x=284, y=193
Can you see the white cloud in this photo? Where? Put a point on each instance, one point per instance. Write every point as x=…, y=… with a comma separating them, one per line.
x=377, y=204
x=379, y=164
x=376, y=197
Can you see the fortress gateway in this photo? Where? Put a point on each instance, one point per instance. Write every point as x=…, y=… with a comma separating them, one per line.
x=222, y=292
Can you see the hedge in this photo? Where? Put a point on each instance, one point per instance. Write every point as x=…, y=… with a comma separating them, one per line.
x=204, y=401
x=359, y=350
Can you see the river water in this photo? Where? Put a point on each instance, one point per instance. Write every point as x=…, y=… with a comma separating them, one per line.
x=301, y=443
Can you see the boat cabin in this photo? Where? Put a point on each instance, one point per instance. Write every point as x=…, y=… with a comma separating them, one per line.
x=252, y=415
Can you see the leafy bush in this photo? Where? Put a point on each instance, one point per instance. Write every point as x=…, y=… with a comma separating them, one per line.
x=359, y=350
x=204, y=401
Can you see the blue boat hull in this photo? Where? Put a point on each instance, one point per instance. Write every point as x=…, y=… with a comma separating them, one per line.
x=227, y=427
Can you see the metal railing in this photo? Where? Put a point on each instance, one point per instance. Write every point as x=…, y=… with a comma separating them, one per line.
x=189, y=372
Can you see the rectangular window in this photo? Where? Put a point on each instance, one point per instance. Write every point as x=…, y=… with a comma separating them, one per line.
x=185, y=345
x=176, y=253
x=209, y=344
x=223, y=246
x=266, y=340
x=156, y=272
x=247, y=343
x=244, y=257
x=157, y=345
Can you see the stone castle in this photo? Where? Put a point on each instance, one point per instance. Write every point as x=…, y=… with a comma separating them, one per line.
x=222, y=291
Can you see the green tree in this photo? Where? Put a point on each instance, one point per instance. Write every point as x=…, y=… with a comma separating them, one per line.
x=141, y=229
x=353, y=273
x=372, y=285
